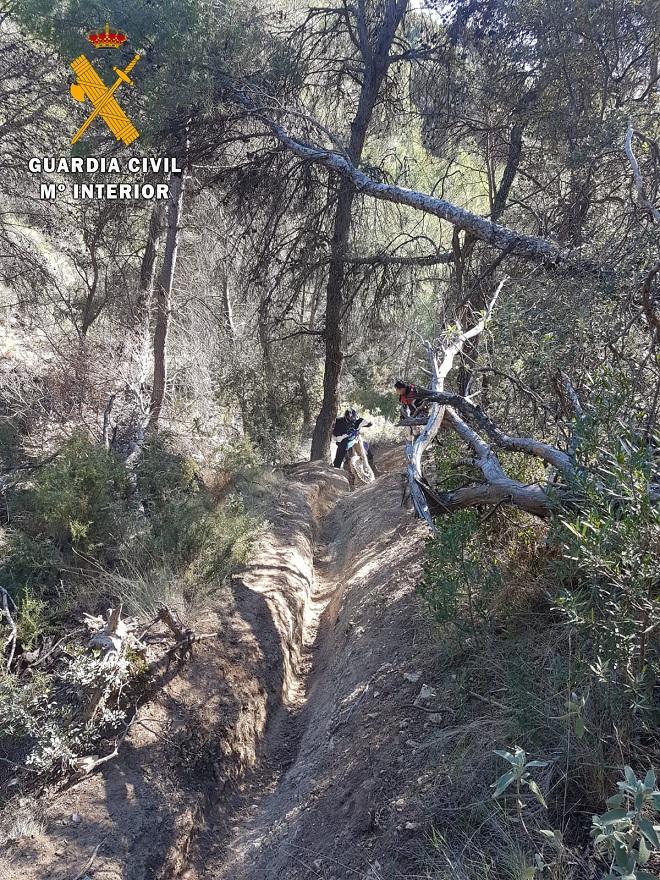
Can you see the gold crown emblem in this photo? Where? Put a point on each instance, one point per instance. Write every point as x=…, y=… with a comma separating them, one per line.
x=107, y=39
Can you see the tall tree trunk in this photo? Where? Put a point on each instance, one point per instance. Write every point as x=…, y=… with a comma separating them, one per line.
x=145, y=292
x=148, y=266
x=225, y=299
x=375, y=59
x=333, y=331
x=305, y=403
x=164, y=297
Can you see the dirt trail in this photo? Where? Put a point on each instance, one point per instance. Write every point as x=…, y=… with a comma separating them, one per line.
x=289, y=748
x=314, y=805
x=270, y=793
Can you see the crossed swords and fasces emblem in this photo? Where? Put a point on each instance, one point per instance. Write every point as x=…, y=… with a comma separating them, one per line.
x=90, y=85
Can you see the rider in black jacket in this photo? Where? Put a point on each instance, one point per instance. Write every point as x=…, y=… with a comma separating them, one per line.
x=342, y=430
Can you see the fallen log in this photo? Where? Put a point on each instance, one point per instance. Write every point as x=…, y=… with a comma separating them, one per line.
x=416, y=447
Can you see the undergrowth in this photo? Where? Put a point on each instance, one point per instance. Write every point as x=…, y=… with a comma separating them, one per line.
x=555, y=628
x=83, y=536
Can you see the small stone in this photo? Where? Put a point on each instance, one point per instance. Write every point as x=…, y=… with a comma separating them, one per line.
x=76, y=819
x=435, y=718
x=425, y=694
x=412, y=826
x=414, y=677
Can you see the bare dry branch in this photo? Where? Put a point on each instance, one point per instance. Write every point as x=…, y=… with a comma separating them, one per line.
x=6, y=613
x=653, y=211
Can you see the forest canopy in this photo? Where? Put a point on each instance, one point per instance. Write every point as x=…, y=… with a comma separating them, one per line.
x=321, y=200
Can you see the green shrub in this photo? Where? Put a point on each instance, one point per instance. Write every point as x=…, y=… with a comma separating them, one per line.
x=32, y=619
x=626, y=833
x=165, y=475
x=241, y=456
x=79, y=499
x=608, y=571
x=459, y=574
x=224, y=538
x=29, y=562
x=192, y=545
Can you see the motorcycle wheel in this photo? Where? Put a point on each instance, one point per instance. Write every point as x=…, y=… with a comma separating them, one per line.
x=358, y=471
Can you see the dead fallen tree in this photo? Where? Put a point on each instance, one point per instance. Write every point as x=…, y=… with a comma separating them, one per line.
x=485, y=439
x=415, y=448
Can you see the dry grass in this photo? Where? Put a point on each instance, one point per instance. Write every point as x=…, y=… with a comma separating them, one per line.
x=508, y=684
x=22, y=818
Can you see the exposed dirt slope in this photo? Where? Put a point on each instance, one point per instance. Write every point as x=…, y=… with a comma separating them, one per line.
x=289, y=746
x=342, y=778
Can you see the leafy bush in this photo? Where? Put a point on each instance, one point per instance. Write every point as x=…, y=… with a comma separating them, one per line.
x=241, y=456
x=458, y=572
x=79, y=499
x=223, y=539
x=44, y=716
x=30, y=562
x=164, y=474
x=186, y=528
x=610, y=557
x=625, y=833
x=32, y=619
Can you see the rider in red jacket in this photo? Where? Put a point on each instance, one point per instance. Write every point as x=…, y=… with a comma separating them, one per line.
x=411, y=397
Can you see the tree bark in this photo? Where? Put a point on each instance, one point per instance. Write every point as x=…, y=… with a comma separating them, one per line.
x=148, y=267
x=164, y=297
x=375, y=60
x=225, y=300
x=144, y=302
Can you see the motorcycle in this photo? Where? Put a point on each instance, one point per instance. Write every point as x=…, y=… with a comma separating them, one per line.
x=356, y=462
x=414, y=412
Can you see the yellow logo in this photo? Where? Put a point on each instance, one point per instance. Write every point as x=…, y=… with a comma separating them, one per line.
x=90, y=85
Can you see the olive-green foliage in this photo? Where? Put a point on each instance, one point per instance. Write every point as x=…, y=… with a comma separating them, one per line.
x=170, y=488
x=32, y=619
x=81, y=508
x=79, y=499
x=188, y=532
x=29, y=561
x=610, y=557
x=626, y=833
x=458, y=573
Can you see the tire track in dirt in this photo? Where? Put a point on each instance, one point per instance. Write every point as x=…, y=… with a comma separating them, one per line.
x=268, y=812
x=260, y=796
x=297, y=703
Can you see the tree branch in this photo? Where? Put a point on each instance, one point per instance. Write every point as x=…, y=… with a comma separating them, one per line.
x=493, y=234
x=637, y=176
